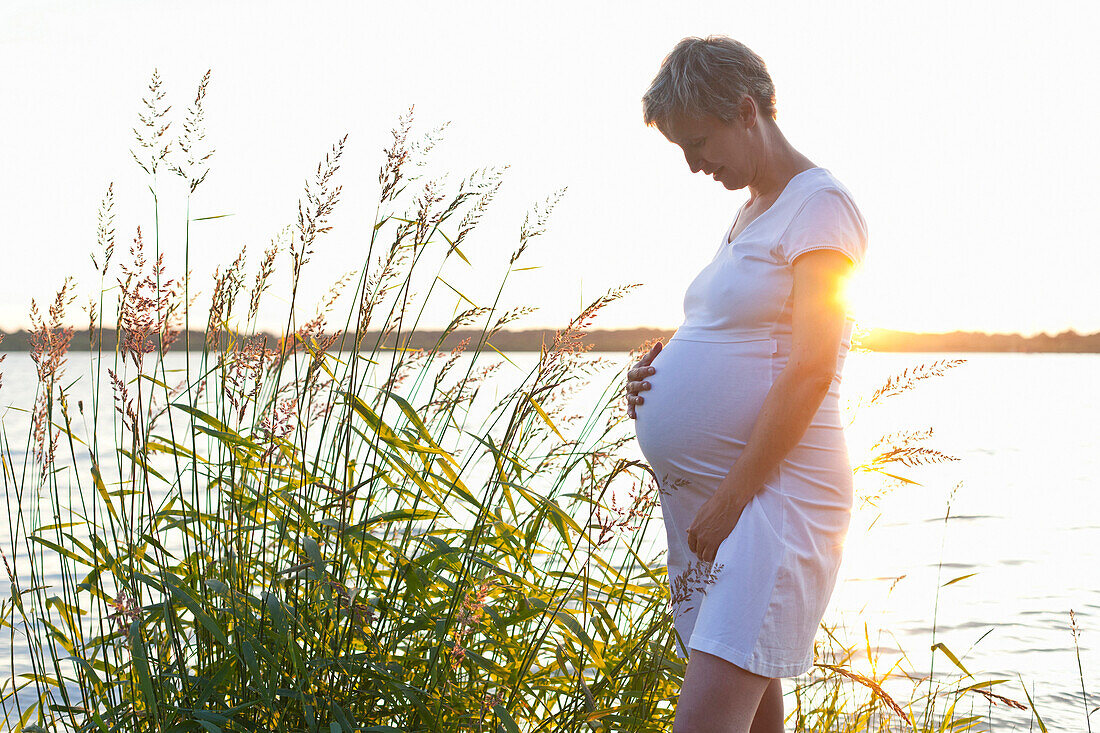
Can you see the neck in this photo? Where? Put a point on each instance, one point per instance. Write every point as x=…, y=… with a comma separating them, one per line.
x=779, y=162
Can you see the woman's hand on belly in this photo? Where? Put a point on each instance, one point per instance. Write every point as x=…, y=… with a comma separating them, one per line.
x=635, y=380
x=714, y=521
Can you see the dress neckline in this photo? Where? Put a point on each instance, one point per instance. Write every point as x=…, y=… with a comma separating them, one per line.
x=726, y=237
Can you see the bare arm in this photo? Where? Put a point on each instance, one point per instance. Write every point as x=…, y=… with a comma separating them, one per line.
x=819, y=314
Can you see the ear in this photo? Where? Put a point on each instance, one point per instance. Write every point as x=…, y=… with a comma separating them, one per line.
x=747, y=110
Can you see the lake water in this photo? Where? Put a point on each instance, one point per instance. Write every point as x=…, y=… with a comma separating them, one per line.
x=1024, y=519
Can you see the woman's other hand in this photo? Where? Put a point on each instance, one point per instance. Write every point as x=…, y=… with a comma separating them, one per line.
x=635, y=380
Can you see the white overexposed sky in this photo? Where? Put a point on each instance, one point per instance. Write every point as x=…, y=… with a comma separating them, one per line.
x=965, y=131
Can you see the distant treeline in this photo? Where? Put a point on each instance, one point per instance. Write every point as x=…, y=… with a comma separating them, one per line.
x=1069, y=342
x=878, y=339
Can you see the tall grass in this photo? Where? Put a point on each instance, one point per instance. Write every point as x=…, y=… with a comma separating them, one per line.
x=333, y=531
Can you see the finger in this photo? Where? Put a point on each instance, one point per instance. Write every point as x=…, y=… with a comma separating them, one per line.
x=653, y=351
x=639, y=373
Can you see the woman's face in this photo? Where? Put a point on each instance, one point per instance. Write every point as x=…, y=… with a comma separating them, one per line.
x=719, y=149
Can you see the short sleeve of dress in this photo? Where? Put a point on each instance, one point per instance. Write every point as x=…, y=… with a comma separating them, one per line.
x=828, y=219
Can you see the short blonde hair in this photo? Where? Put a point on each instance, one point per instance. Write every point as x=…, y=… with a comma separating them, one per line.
x=708, y=75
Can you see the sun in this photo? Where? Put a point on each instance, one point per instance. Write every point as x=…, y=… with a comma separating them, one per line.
x=855, y=294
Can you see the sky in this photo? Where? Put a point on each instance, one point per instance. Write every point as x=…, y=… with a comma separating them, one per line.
x=964, y=130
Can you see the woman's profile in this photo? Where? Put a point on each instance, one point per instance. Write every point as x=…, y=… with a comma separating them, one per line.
x=738, y=414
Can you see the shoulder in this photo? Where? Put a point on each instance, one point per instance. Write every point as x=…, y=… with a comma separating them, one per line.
x=823, y=191
x=827, y=205
x=826, y=216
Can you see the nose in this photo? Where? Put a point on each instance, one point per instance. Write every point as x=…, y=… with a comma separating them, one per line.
x=694, y=163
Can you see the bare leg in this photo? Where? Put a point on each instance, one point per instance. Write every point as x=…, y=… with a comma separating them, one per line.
x=718, y=696
x=769, y=715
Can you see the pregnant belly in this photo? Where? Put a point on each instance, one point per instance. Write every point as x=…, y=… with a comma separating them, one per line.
x=702, y=403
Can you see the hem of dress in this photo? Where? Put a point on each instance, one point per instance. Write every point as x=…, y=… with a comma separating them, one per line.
x=747, y=661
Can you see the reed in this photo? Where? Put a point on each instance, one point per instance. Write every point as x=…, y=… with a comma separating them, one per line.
x=324, y=533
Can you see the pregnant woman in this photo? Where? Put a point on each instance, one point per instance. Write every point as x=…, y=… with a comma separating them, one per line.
x=738, y=414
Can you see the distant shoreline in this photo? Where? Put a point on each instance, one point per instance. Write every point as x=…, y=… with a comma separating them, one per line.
x=622, y=340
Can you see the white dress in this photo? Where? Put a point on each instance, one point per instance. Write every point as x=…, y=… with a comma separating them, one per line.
x=760, y=602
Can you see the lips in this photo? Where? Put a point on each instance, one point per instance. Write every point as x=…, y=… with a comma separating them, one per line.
x=715, y=174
